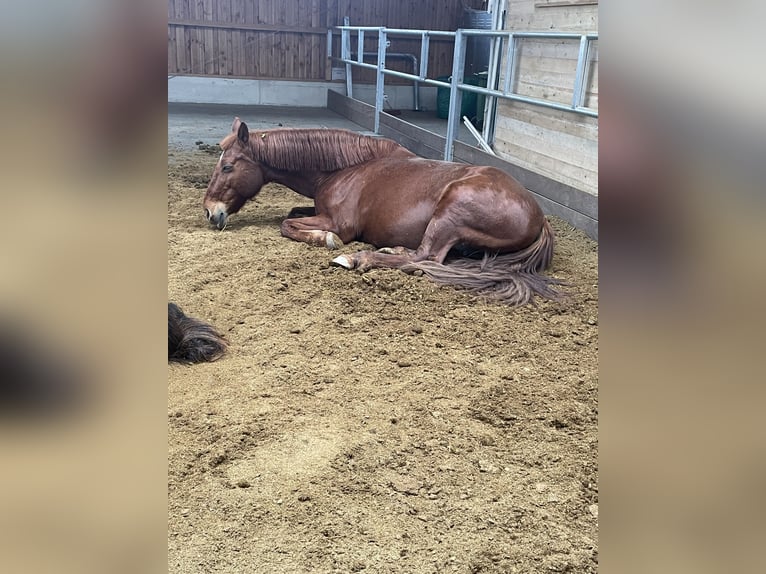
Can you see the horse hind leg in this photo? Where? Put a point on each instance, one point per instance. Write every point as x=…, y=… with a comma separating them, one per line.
x=303, y=211
x=314, y=230
x=436, y=243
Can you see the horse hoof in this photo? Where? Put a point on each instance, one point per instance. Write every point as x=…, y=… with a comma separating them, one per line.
x=388, y=250
x=343, y=261
x=332, y=241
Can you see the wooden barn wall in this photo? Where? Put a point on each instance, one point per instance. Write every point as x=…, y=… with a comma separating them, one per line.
x=559, y=145
x=287, y=39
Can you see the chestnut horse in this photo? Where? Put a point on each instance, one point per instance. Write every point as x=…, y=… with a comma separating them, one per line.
x=417, y=210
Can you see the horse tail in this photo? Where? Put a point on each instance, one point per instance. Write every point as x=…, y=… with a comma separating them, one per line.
x=191, y=340
x=511, y=278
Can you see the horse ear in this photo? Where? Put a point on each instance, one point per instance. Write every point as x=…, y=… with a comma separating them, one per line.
x=235, y=124
x=243, y=133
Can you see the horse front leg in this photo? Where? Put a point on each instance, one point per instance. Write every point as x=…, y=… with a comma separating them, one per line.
x=317, y=230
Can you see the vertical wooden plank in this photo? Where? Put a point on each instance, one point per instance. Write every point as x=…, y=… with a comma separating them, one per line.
x=172, y=57
x=299, y=56
x=208, y=38
x=182, y=44
x=247, y=58
x=248, y=11
x=193, y=39
x=296, y=13
x=281, y=49
x=236, y=16
x=225, y=44
x=263, y=51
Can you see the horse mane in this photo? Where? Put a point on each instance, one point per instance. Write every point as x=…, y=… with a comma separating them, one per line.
x=316, y=149
x=191, y=340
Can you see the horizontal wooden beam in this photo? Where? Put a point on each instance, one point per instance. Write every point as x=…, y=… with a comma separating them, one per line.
x=271, y=28
x=251, y=27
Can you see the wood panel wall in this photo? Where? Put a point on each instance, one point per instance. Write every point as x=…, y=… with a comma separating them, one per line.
x=559, y=145
x=287, y=39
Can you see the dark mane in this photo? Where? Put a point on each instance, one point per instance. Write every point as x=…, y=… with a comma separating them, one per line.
x=316, y=149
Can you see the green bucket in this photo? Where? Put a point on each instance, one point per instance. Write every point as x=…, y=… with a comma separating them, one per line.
x=472, y=105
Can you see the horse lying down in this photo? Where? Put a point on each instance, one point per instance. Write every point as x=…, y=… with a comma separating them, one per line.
x=191, y=340
x=416, y=211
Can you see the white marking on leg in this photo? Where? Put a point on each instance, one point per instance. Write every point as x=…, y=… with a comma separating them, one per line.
x=343, y=261
x=332, y=241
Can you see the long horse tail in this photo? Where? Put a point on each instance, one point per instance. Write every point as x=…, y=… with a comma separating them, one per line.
x=191, y=340
x=511, y=278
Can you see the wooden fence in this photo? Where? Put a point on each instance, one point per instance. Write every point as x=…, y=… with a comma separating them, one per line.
x=287, y=39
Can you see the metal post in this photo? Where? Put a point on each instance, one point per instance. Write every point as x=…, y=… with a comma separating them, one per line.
x=379, y=95
x=424, y=47
x=346, y=48
x=360, y=46
x=490, y=112
x=577, y=93
x=510, y=65
x=456, y=95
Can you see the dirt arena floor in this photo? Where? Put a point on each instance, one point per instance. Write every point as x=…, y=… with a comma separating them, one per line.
x=373, y=422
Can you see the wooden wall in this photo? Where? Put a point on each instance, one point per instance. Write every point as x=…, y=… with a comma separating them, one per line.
x=559, y=145
x=287, y=39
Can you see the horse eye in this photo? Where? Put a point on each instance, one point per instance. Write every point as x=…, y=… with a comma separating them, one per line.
x=227, y=168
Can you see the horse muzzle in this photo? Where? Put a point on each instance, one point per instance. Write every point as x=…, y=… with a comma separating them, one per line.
x=217, y=217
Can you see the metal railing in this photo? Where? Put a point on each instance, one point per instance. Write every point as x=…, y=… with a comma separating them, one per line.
x=456, y=84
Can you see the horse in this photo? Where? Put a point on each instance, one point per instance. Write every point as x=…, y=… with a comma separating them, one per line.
x=416, y=211
x=191, y=340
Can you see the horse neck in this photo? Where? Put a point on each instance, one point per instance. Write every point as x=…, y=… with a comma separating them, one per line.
x=303, y=182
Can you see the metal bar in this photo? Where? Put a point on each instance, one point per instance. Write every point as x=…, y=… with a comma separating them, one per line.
x=525, y=99
x=585, y=75
x=414, y=61
x=360, y=46
x=493, y=77
x=329, y=42
x=361, y=64
x=456, y=95
x=474, y=32
x=510, y=59
x=475, y=133
x=552, y=35
x=510, y=77
x=403, y=75
x=399, y=31
x=379, y=95
x=578, y=83
x=346, y=55
x=424, y=47
x=499, y=10
x=485, y=91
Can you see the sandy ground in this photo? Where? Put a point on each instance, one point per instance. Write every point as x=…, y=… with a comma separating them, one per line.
x=373, y=422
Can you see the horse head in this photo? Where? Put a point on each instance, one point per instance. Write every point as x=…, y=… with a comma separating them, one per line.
x=237, y=177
